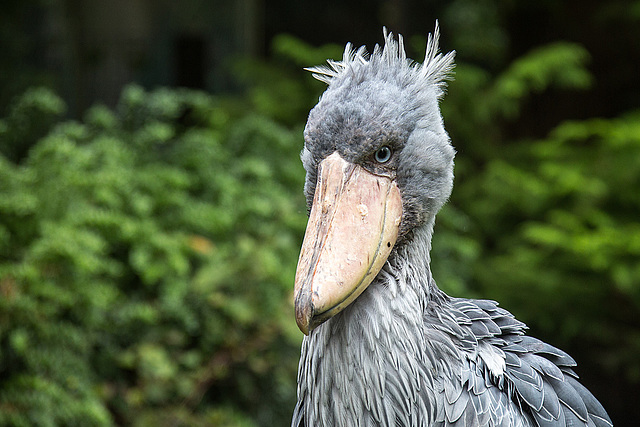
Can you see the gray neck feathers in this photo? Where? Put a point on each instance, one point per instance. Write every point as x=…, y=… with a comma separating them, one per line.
x=368, y=364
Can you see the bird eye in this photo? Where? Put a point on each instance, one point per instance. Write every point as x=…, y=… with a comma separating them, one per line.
x=383, y=154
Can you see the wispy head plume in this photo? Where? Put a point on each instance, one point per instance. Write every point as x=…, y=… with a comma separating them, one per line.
x=435, y=70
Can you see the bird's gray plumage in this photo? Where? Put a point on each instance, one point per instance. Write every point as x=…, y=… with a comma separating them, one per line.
x=404, y=353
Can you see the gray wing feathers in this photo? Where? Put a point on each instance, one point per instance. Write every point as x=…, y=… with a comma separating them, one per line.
x=597, y=414
x=534, y=383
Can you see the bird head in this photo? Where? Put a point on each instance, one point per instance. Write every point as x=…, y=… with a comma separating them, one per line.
x=379, y=166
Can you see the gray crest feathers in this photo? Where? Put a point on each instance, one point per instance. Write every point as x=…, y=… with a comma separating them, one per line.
x=434, y=71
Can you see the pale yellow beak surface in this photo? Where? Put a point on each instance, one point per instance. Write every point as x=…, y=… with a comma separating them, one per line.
x=352, y=228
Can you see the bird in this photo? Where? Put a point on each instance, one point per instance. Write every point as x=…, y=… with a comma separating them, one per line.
x=383, y=345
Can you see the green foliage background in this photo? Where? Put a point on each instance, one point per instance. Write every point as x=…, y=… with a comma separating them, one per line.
x=147, y=251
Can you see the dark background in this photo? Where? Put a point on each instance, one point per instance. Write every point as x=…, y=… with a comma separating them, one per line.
x=89, y=49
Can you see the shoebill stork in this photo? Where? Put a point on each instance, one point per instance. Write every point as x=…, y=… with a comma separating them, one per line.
x=383, y=345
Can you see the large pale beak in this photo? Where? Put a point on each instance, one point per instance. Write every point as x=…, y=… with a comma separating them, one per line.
x=352, y=228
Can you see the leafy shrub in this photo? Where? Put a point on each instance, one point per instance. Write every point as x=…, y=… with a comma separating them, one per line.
x=147, y=262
